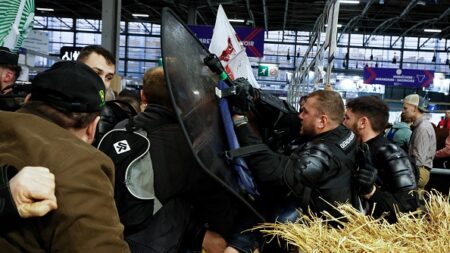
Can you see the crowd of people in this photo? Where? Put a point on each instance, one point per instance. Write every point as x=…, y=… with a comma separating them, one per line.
x=58, y=192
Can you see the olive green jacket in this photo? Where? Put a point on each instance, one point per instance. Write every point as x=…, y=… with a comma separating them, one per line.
x=86, y=219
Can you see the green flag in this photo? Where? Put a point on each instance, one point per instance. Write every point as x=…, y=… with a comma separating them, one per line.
x=15, y=22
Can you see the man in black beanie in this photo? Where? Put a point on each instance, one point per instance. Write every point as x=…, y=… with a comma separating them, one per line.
x=54, y=130
x=9, y=69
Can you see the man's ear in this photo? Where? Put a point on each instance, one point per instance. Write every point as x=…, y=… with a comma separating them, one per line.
x=323, y=121
x=8, y=76
x=363, y=122
x=91, y=129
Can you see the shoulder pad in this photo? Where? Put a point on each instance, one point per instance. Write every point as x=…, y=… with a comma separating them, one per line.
x=391, y=151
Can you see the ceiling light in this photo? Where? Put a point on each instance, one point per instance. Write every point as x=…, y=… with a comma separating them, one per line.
x=140, y=15
x=236, y=20
x=432, y=30
x=44, y=9
x=338, y=25
x=349, y=2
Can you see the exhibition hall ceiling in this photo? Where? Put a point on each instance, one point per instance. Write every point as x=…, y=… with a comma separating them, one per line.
x=377, y=17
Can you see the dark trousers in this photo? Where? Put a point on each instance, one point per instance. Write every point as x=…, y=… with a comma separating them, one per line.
x=165, y=232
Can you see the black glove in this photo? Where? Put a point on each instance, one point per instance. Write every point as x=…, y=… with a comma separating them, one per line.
x=367, y=173
x=241, y=101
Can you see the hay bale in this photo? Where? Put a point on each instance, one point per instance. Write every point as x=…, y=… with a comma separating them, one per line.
x=414, y=232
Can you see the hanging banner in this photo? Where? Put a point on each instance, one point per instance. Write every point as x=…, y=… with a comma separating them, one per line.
x=413, y=78
x=15, y=22
x=251, y=38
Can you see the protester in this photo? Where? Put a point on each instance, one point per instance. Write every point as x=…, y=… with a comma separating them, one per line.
x=445, y=121
x=9, y=70
x=100, y=60
x=29, y=192
x=54, y=130
x=190, y=209
x=400, y=133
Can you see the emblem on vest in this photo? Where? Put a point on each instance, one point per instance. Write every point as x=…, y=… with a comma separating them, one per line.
x=121, y=147
x=347, y=141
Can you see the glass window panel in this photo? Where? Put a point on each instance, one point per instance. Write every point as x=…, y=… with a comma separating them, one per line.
x=39, y=22
x=60, y=23
x=156, y=29
x=57, y=36
x=154, y=42
x=427, y=43
x=273, y=36
x=84, y=39
x=88, y=25
x=55, y=47
x=356, y=39
x=122, y=41
x=343, y=39
x=411, y=42
x=136, y=41
x=136, y=28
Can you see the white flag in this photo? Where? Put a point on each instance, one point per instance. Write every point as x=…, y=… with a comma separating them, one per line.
x=227, y=46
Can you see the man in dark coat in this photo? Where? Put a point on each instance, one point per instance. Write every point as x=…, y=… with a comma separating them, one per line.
x=387, y=178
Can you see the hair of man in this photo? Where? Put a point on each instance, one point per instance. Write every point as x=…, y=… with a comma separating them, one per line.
x=329, y=103
x=155, y=87
x=373, y=108
x=16, y=69
x=63, y=118
x=88, y=50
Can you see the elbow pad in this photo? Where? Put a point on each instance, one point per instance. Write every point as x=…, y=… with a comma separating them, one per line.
x=399, y=170
x=307, y=167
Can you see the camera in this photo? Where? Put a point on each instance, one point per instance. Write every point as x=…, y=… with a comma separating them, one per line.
x=12, y=97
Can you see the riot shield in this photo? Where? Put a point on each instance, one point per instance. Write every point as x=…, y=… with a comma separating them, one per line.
x=192, y=87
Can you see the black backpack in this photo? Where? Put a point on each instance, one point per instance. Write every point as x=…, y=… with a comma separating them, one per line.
x=129, y=149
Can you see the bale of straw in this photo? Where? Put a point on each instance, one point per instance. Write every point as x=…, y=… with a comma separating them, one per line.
x=427, y=231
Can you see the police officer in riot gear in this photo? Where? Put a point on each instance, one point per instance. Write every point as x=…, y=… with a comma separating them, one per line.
x=319, y=172
x=386, y=175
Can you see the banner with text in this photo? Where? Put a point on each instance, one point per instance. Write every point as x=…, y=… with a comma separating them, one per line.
x=252, y=38
x=413, y=78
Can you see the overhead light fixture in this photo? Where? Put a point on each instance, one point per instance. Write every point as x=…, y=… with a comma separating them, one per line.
x=338, y=25
x=140, y=15
x=236, y=20
x=432, y=30
x=349, y=2
x=44, y=9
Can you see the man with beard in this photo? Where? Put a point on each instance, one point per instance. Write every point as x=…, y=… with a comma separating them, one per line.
x=386, y=175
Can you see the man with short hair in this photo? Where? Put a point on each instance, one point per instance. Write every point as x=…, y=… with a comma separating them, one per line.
x=100, y=60
x=9, y=69
x=386, y=175
x=190, y=198
x=55, y=129
x=319, y=172
x=423, y=139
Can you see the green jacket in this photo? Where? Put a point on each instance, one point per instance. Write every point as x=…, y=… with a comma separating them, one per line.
x=86, y=219
x=400, y=133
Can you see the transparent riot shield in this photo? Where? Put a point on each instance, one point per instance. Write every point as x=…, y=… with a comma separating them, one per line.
x=192, y=87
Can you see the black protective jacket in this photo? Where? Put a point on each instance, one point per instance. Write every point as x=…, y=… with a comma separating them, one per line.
x=179, y=178
x=321, y=169
x=396, y=179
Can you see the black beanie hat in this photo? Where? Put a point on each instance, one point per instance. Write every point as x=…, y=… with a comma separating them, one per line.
x=7, y=57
